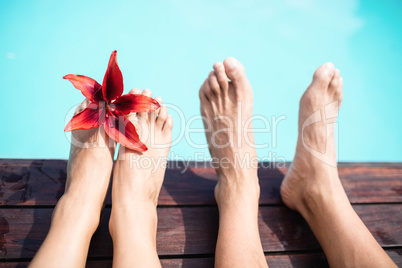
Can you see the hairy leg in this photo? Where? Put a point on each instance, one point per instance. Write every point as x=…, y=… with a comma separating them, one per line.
x=312, y=185
x=226, y=107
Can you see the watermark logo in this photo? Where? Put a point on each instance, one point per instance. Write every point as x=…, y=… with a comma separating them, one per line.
x=226, y=133
x=328, y=117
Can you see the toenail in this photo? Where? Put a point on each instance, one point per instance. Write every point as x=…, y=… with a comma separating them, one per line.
x=231, y=63
x=329, y=71
x=217, y=64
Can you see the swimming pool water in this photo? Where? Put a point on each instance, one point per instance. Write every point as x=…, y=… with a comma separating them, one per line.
x=170, y=46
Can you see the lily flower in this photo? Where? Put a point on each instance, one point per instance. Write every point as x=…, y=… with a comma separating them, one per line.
x=109, y=107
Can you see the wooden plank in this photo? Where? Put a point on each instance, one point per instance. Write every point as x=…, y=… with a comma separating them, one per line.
x=292, y=260
x=41, y=182
x=278, y=261
x=193, y=230
x=31, y=182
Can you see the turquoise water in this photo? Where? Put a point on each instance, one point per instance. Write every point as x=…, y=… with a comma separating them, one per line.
x=170, y=46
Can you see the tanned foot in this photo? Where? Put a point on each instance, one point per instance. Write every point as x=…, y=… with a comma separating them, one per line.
x=227, y=107
x=313, y=170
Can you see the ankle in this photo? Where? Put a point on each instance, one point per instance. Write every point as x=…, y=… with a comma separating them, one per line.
x=87, y=196
x=319, y=198
x=136, y=218
x=243, y=192
x=131, y=192
x=76, y=213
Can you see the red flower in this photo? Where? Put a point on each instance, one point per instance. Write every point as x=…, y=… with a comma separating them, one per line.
x=109, y=107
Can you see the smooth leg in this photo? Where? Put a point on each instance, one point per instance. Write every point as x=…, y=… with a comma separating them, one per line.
x=226, y=107
x=135, y=191
x=76, y=215
x=312, y=185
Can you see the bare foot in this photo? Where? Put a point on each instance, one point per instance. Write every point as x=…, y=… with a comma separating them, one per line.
x=227, y=108
x=89, y=166
x=147, y=169
x=312, y=185
x=77, y=213
x=137, y=181
x=313, y=170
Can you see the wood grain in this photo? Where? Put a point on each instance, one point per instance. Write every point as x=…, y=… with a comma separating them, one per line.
x=277, y=261
x=188, y=217
x=189, y=230
x=41, y=183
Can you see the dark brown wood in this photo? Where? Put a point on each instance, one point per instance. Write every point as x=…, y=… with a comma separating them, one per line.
x=291, y=260
x=193, y=230
x=41, y=183
x=30, y=188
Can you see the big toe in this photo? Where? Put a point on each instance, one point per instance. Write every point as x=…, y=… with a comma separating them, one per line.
x=82, y=106
x=336, y=84
x=146, y=92
x=235, y=72
x=323, y=75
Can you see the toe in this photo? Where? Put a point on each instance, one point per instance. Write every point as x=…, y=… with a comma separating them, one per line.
x=162, y=116
x=202, y=96
x=335, y=85
x=206, y=89
x=234, y=71
x=82, y=106
x=159, y=100
x=135, y=91
x=213, y=83
x=85, y=103
x=167, y=127
x=221, y=75
x=323, y=75
x=153, y=115
x=205, y=104
x=148, y=93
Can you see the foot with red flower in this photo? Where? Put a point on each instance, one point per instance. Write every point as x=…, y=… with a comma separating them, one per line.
x=99, y=123
x=108, y=106
x=137, y=181
x=77, y=214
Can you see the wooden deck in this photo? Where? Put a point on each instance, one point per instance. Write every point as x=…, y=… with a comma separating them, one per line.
x=188, y=216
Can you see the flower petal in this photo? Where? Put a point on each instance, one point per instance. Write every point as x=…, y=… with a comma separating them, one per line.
x=123, y=131
x=112, y=86
x=91, y=117
x=135, y=103
x=87, y=85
